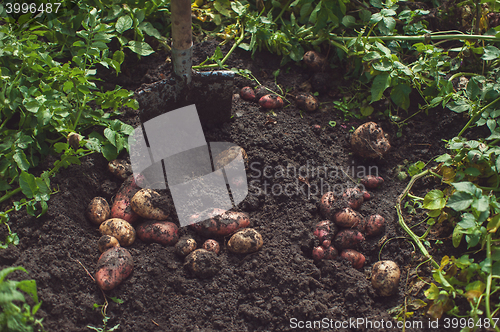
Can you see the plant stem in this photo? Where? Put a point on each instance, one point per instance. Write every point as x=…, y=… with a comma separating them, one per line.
x=461, y=74
x=282, y=11
x=419, y=38
x=475, y=116
x=405, y=227
x=489, y=281
x=9, y=194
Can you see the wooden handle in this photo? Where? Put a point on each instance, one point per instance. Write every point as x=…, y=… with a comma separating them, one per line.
x=181, y=24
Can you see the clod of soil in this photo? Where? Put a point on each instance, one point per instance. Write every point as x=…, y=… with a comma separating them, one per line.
x=203, y=263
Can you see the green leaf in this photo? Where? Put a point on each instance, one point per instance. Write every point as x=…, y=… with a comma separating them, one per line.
x=150, y=30
x=460, y=201
x=434, y=200
x=384, y=65
x=468, y=221
x=349, y=21
x=123, y=24
x=119, y=56
x=459, y=106
x=465, y=186
x=481, y=204
x=490, y=53
x=28, y=184
x=9, y=270
x=140, y=47
x=21, y=160
x=400, y=95
x=380, y=84
x=29, y=286
x=472, y=171
x=223, y=7
x=109, y=152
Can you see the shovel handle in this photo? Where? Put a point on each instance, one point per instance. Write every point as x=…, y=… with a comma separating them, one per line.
x=181, y=24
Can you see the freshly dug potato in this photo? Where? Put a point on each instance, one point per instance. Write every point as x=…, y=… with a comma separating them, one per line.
x=357, y=259
x=120, y=229
x=326, y=205
x=228, y=155
x=271, y=101
x=322, y=252
x=211, y=245
x=106, y=242
x=114, y=266
x=315, y=61
x=185, y=246
x=349, y=218
x=203, y=263
x=260, y=92
x=366, y=196
x=325, y=230
x=306, y=102
x=247, y=93
x=120, y=168
x=354, y=197
x=162, y=232
x=245, y=241
x=223, y=224
x=372, y=181
x=385, y=277
x=369, y=141
x=121, y=205
x=74, y=140
x=98, y=210
x=150, y=205
x=374, y=225
x=348, y=239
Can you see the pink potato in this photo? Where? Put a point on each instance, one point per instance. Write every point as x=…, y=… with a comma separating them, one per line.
x=223, y=224
x=325, y=230
x=322, y=252
x=114, y=266
x=211, y=245
x=354, y=197
x=271, y=101
x=374, y=225
x=348, y=239
x=349, y=218
x=162, y=232
x=247, y=93
x=326, y=205
x=372, y=181
x=121, y=206
x=357, y=259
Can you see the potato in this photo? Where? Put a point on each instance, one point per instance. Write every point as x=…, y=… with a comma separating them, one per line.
x=120, y=229
x=325, y=230
x=306, y=102
x=366, y=196
x=114, y=266
x=348, y=239
x=228, y=155
x=203, y=263
x=98, y=210
x=357, y=259
x=106, y=242
x=247, y=93
x=372, y=181
x=322, y=252
x=326, y=204
x=185, y=246
x=349, y=218
x=162, y=232
x=150, y=205
x=245, y=241
x=73, y=140
x=315, y=61
x=120, y=168
x=374, y=225
x=354, y=197
x=121, y=205
x=385, y=277
x=223, y=224
x=369, y=141
x=211, y=245
x=271, y=101
x=260, y=91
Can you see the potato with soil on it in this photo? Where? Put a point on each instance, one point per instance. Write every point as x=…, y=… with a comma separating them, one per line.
x=322, y=252
x=106, y=242
x=247, y=93
x=223, y=224
x=306, y=102
x=120, y=168
x=227, y=156
x=73, y=140
x=203, y=263
x=162, y=232
x=348, y=239
x=315, y=61
x=114, y=266
x=185, y=246
x=150, y=204
x=327, y=204
x=271, y=101
x=325, y=230
x=121, y=205
x=245, y=241
x=385, y=277
x=372, y=181
x=120, y=229
x=369, y=141
x=354, y=197
x=356, y=258
x=211, y=245
x=374, y=225
x=349, y=218
x=98, y=210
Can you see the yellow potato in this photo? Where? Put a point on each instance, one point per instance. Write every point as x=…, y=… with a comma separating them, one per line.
x=385, y=277
x=150, y=205
x=98, y=210
x=106, y=241
x=120, y=229
x=245, y=241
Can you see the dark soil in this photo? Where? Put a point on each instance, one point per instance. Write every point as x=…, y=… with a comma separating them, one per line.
x=262, y=291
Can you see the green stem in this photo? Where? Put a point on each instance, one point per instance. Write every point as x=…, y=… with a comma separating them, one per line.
x=474, y=118
x=415, y=197
x=461, y=74
x=419, y=38
x=488, y=282
x=282, y=11
x=405, y=227
x=9, y=194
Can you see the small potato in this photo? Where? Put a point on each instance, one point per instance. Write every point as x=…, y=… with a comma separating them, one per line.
x=307, y=102
x=315, y=61
x=120, y=168
x=271, y=101
x=374, y=225
x=106, y=242
x=260, y=92
x=203, y=263
x=223, y=224
x=325, y=230
x=372, y=181
x=354, y=197
x=366, y=196
x=211, y=245
x=185, y=246
x=322, y=252
x=120, y=229
x=348, y=239
x=348, y=218
x=162, y=232
x=385, y=277
x=114, y=266
x=98, y=210
x=150, y=205
x=245, y=241
x=73, y=140
x=121, y=205
x=247, y=93
x=357, y=259
x=227, y=156
x=326, y=205
x=369, y=141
